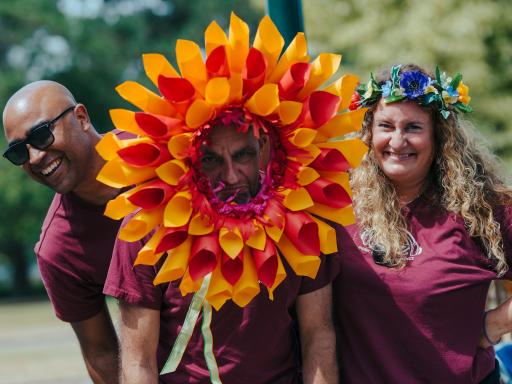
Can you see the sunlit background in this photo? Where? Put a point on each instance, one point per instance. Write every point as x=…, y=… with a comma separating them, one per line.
x=93, y=45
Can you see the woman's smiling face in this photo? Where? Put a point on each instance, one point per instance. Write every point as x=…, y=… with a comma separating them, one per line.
x=403, y=142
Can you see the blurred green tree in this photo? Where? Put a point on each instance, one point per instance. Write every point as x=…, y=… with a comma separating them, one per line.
x=472, y=37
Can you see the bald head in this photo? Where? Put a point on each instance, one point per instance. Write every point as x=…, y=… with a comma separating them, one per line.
x=44, y=125
x=29, y=100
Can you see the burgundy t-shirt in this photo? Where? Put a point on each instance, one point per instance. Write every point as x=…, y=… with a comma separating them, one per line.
x=422, y=323
x=73, y=254
x=254, y=344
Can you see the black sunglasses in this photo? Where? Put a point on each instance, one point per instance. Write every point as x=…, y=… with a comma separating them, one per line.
x=41, y=137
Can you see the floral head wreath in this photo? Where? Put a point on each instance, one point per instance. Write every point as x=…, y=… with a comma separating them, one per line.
x=235, y=246
x=443, y=92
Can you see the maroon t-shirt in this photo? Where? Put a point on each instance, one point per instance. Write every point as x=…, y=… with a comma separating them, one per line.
x=422, y=323
x=73, y=254
x=254, y=344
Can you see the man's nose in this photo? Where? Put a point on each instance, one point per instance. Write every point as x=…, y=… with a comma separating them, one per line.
x=35, y=155
x=229, y=174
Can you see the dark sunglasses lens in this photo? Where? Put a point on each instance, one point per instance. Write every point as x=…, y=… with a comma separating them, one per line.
x=41, y=138
x=17, y=154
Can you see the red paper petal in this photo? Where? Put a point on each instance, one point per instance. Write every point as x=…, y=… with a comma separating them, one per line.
x=254, y=71
x=294, y=80
x=329, y=193
x=203, y=256
x=330, y=159
x=322, y=107
x=145, y=154
x=302, y=232
x=171, y=239
x=266, y=263
x=177, y=90
x=151, y=196
x=217, y=63
x=232, y=268
x=158, y=127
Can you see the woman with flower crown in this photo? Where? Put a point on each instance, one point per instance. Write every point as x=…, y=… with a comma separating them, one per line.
x=434, y=228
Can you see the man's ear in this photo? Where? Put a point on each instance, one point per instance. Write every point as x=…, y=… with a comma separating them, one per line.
x=82, y=116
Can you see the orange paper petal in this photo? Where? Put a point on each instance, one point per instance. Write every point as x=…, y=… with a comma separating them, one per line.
x=217, y=64
x=302, y=232
x=178, y=210
x=155, y=65
x=214, y=36
x=172, y=171
x=302, y=265
x=140, y=225
x=144, y=99
x=266, y=263
x=329, y=193
x=231, y=241
x=171, y=238
x=190, y=62
x=203, y=256
x=264, y=101
x=247, y=286
x=175, y=263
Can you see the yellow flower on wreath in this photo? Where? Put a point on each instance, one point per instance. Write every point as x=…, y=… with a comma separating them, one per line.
x=262, y=84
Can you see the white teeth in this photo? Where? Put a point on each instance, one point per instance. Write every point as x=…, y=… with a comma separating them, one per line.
x=404, y=156
x=51, y=167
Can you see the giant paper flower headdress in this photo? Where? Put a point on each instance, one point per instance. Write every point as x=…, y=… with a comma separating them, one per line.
x=235, y=245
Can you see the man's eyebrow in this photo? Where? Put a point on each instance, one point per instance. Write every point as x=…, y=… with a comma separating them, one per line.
x=247, y=147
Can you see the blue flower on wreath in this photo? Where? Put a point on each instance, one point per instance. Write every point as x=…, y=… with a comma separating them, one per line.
x=414, y=83
x=386, y=88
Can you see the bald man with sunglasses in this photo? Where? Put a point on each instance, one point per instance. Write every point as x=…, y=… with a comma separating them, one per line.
x=51, y=137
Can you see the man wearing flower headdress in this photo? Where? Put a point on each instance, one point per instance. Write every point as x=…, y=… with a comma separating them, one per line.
x=258, y=343
x=52, y=138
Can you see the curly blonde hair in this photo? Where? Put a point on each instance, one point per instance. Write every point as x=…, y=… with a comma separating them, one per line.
x=465, y=179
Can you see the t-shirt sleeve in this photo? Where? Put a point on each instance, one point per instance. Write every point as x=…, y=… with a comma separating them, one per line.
x=72, y=298
x=504, y=217
x=129, y=283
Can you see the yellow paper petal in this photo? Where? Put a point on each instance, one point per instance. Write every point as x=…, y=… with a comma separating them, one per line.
x=239, y=43
x=235, y=87
x=342, y=178
x=198, y=113
x=352, y=149
x=214, y=36
x=268, y=41
x=258, y=238
x=188, y=285
x=171, y=171
x=190, y=62
x=324, y=66
x=302, y=137
x=108, y=146
x=147, y=255
x=247, y=287
x=302, y=265
x=178, y=210
x=280, y=276
x=219, y=290
x=231, y=242
x=155, y=65
x=342, y=124
x=179, y=145
x=307, y=175
x=116, y=174
x=344, y=87
x=200, y=225
x=264, y=101
x=119, y=207
x=124, y=120
x=141, y=224
x=274, y=232
x=217, y=91
x=297, y=52
x=289, y=111
x=297, y=200
x=175, y=264
x=144, y=99
x=343, y=216
x=327, y=236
